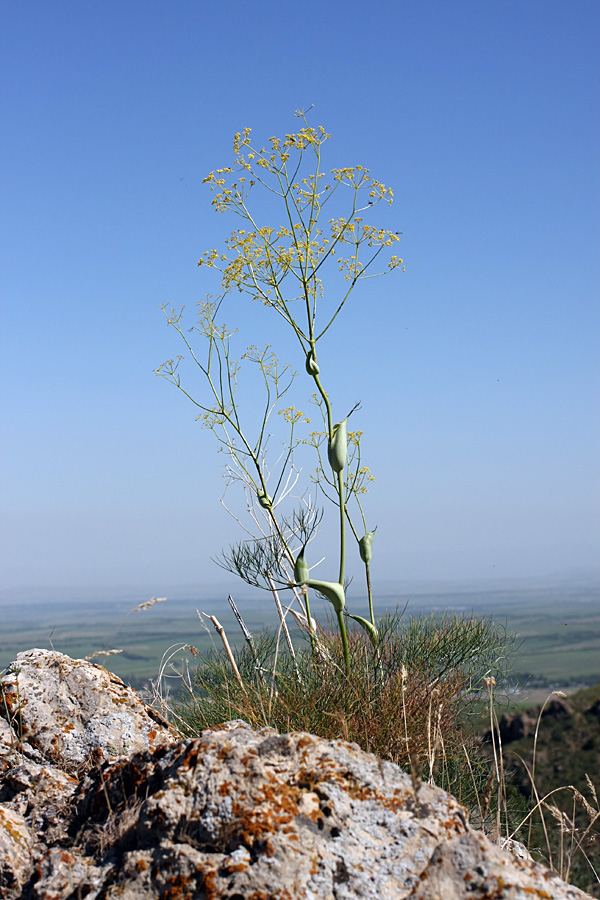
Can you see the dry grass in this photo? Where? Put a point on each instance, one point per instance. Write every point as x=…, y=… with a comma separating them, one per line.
x=567, y=842
x=119, y=829
x=402, y=702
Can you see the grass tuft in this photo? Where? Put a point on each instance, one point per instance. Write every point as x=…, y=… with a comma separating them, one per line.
x=406, y=700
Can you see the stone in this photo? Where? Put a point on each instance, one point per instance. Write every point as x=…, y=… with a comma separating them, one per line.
x=593, y=710
x=235, y=810
x=58, y=870
x=516, y=848
x=470, y=866
x=234, y=814
x=514, y=726
x=66, y=708
x=8, y=739
x=557, y=708
x=15, y=851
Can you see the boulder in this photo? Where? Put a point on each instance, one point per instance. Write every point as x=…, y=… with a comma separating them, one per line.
x=59, y=717
x=245, y=813
x=558, y=708
x=67, y=708
x=470, y=866
x=234, y=814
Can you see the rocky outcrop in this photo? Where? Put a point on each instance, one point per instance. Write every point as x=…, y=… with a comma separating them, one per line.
x=234, y=814
x=514, y=727
x=66, y=708
x=519, y=725
x=60, y=718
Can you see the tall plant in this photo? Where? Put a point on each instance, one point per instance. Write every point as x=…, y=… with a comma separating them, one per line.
x=284, y=266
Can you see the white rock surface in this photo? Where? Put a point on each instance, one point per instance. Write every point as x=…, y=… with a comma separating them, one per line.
x=15, y=851
x=66, y=708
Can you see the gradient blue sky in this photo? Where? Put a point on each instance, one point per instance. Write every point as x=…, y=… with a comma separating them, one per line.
x=477, y=368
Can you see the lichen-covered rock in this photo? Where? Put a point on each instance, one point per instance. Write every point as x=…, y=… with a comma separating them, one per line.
x=12, y=747
x=27, y=780
x=244, y=814
x=234, y=814
x=15, y=852
x=8, y=739
x=516, y=848
x=58, y=870
x=262, y=814
x=34, y=808
x=67, y=708
x=470, y=866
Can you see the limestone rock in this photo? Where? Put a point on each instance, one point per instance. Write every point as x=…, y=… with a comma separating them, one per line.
x=27, y=779
x=240, y=814
x=34, y=794
x=15, y=851
x=67, y=708
x=234, y=814
x=8, y=738
x=470, y=866
x=238, y=811
x=516, y=848
x=58, y=870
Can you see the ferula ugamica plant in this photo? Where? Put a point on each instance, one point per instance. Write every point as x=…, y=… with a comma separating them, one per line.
x=322, y=235
x=399, y=689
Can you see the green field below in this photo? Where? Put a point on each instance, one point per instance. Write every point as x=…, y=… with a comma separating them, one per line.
x=557, y=627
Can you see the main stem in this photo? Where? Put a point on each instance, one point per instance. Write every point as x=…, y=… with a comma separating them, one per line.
x=370, y=593
x=342, y=504
x=345, y=647
x=340, y=490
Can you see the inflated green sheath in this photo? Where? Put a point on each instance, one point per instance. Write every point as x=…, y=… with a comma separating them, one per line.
x=264, y=499
x=301, y=573
x=311, y=364
x=337, y=451
x=333, y=591
x=365, y=546
x=369, y=628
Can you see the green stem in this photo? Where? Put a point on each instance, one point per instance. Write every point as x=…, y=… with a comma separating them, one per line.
x=370, y=593
x=344, y=635
x=340, y=490
x=340, y=616
x=342, y=505
x=325, y=397
x=367, y=567
x=313, y=644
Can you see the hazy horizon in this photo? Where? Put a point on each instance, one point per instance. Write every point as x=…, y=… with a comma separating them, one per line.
x=383, y=590
x=556, y=621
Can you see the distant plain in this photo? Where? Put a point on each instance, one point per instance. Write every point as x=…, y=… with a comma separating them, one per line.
x=557, y=623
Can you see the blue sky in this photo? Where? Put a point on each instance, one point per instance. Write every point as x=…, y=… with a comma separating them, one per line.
x=477, y=368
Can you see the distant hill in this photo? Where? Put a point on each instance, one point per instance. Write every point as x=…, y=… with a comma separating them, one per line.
x=567, y=754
